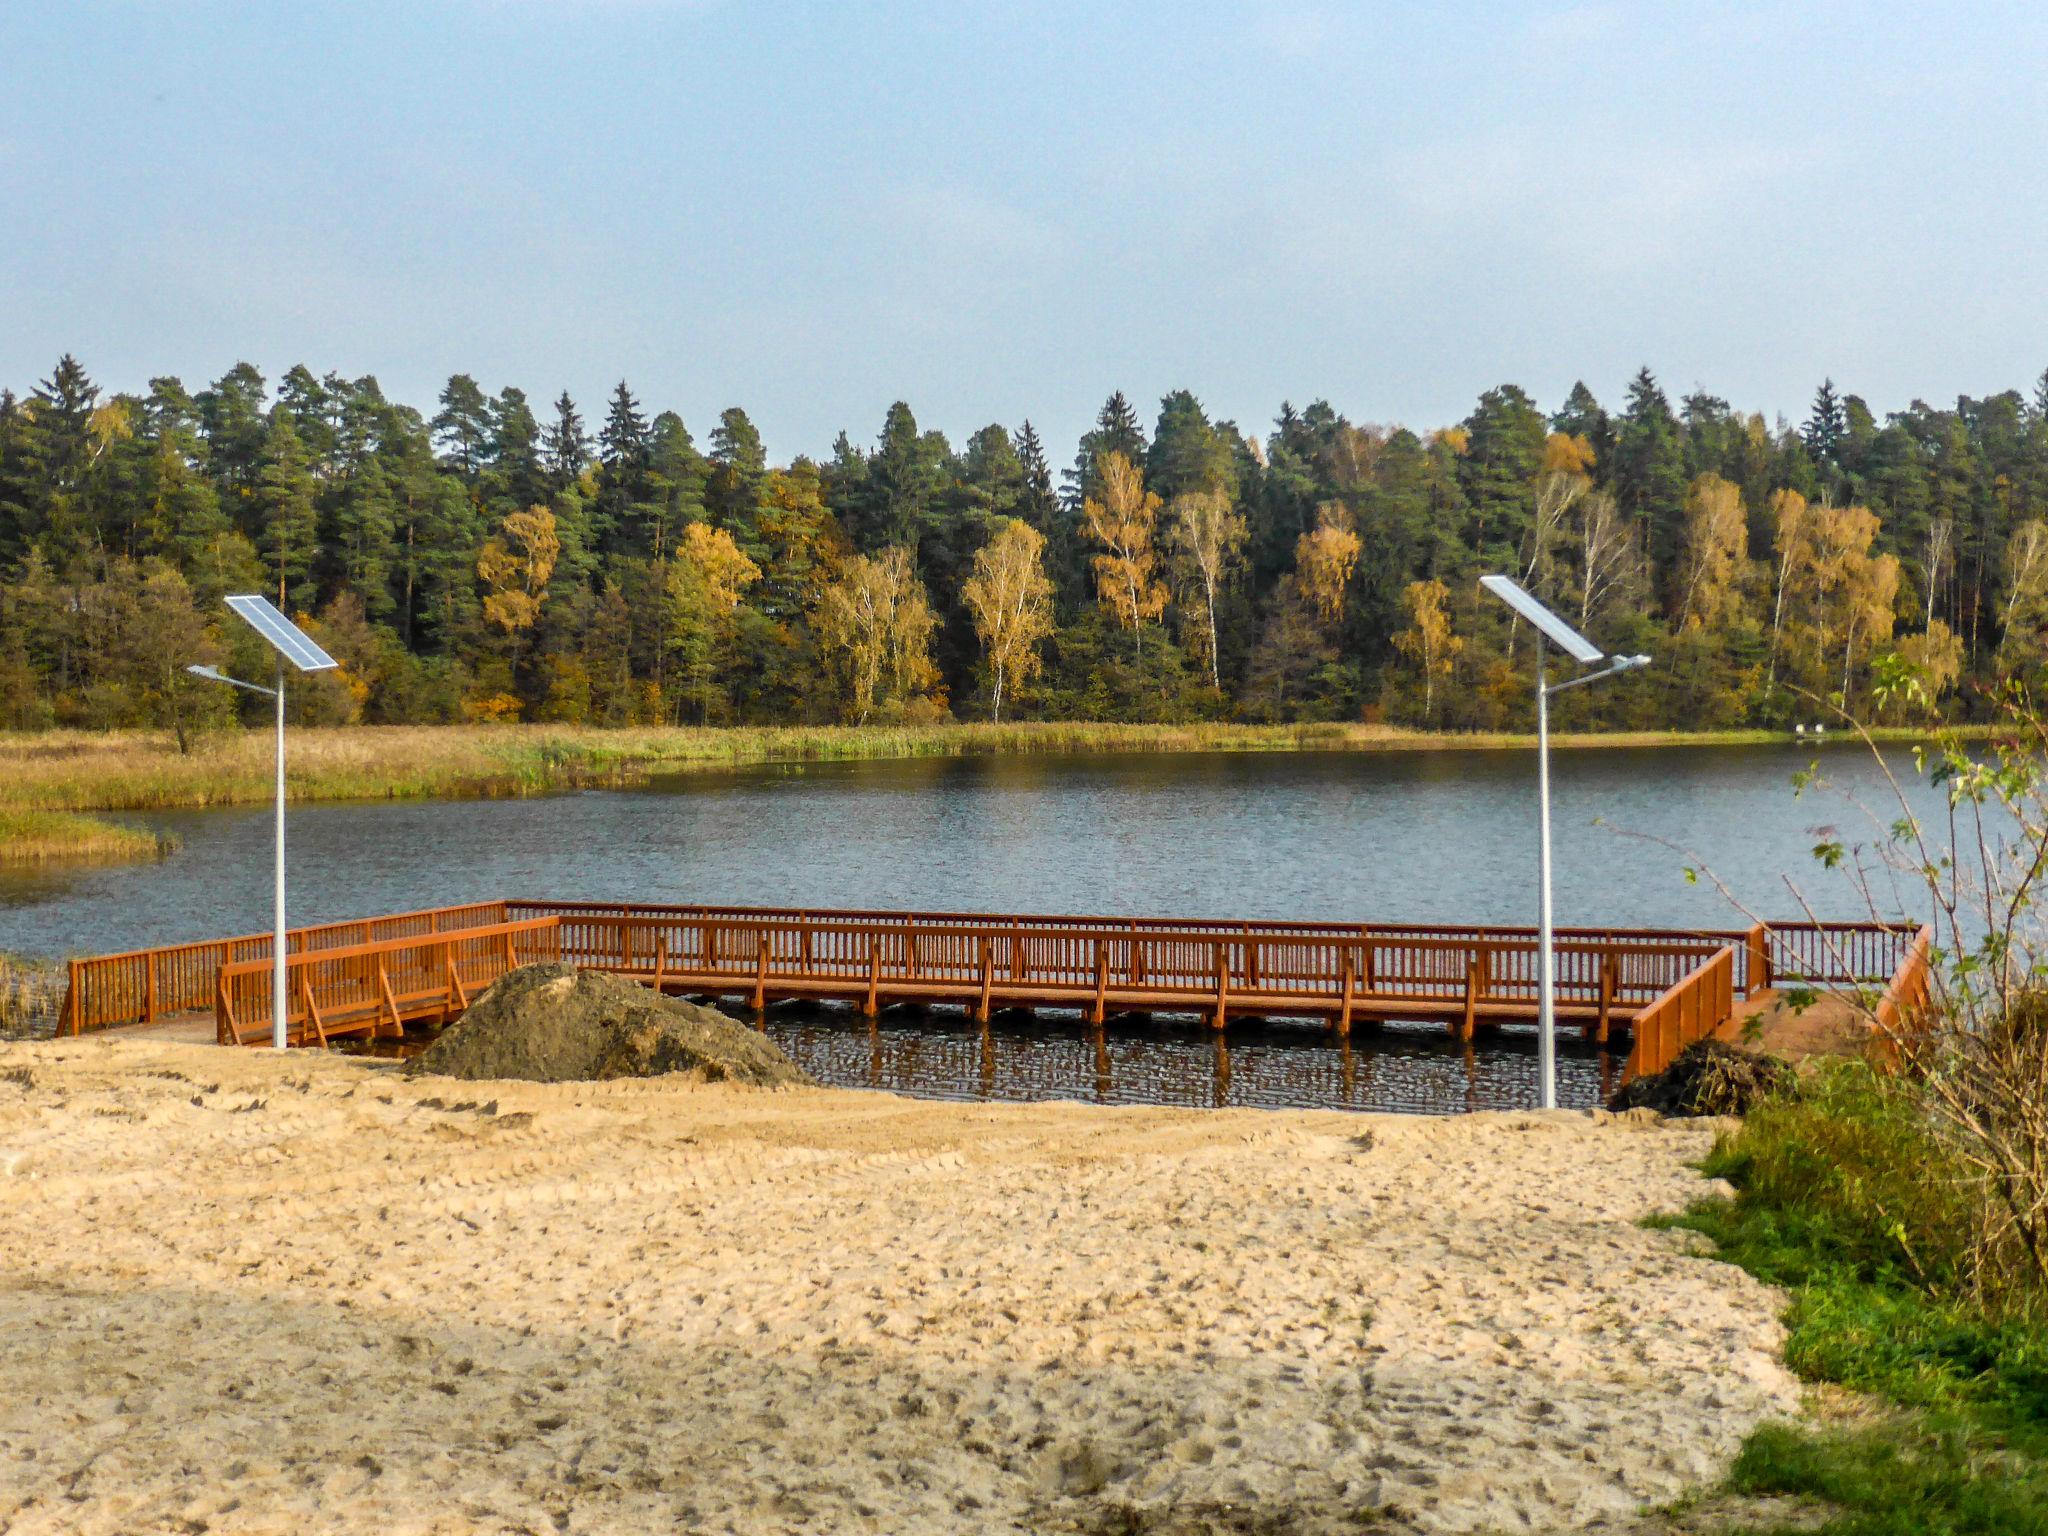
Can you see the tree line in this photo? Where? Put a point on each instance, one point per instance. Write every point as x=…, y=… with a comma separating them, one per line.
x=487, y=561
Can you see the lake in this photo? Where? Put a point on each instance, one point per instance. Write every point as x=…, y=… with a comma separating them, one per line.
x=1388, y=837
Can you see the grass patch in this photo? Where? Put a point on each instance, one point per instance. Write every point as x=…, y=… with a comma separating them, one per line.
x=1845, y=1199
x=139, y=770
x=34, y=837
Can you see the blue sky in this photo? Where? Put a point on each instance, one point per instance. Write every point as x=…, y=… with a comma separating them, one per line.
x=995, y=211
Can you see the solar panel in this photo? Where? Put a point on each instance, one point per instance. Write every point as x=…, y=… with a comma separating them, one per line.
x=1559, y=633
x=292, y=642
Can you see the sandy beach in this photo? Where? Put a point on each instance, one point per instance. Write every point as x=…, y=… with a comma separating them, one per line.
x=248, y=1294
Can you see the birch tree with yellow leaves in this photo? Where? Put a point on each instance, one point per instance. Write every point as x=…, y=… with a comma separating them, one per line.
x=1206, y=536
x=1010, y=599
x=1121, y=519
x=874, y=626
x=1427, y=641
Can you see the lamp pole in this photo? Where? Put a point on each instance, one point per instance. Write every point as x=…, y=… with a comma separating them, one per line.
x=1549, y=627
x=293, y=645
x=278, y=940
x=1546, y=956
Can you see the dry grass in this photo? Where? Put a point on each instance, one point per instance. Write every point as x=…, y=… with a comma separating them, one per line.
x=36, y=837
x=133, y=770
x=31, y=997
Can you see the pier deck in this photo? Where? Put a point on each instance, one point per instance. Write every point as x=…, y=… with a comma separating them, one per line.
x=378, y=976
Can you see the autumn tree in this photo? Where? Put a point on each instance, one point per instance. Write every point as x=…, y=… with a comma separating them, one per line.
x=1206, y=536
x=515, y=565
x=1120, y=518
x=1712, y=547
x=1324, y=558
x=874, y=624
x=2025, y=616
x=1010, y=598
x=1428, y=641
x=707, y=576
x=1608, y=551
x=1789, y=535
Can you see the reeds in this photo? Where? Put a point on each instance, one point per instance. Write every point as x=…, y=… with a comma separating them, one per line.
x=134, y=770
x=35, y=837
x=31, y=998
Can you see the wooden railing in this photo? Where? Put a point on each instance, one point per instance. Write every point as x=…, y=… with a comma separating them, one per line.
x=143, y=985
x=375, y=988
x=1901, y=1011
x=1696, y=1005
x=1216, y=971
x=1754, y=949
x=1393, y=970
x=1838, y=954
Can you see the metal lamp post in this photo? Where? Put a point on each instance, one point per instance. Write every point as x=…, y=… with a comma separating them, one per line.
x=1549, y=626
x=294, y=645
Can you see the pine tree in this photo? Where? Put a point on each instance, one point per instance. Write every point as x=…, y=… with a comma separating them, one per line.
x=360, y=545
x=622, y=474
x=565, y=445
x=232, y=419
x=1188, y=454
x=1826, y=427
x=288, y=528
x=739, y=465
x=463, y=428
x=1649, y=475
x=518, y=475
x=1116, y=431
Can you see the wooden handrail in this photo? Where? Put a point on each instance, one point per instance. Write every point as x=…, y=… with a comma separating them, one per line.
x=1612, y=970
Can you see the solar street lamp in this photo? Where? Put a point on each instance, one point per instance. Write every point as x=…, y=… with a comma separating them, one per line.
x=1550, y=627
x=293, y=645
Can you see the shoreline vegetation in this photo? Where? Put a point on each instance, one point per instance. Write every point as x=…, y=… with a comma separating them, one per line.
x=52, y=782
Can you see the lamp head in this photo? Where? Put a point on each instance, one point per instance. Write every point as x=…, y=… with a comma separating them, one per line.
x=211, y=674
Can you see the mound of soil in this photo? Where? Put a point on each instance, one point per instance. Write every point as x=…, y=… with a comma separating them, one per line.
x=1709, y=1077
x=557, y=1024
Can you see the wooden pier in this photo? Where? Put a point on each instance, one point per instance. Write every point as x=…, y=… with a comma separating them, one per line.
x=377, y=976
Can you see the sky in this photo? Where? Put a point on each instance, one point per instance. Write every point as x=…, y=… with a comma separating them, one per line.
x=996, y=211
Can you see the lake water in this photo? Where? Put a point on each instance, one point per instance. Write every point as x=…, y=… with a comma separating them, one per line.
x=1387, y=837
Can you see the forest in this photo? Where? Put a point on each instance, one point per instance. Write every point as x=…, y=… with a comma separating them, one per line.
x=484, y=561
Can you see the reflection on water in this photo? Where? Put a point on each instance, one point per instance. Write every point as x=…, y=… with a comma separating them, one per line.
x=1365, y=837
x=1417, y=1070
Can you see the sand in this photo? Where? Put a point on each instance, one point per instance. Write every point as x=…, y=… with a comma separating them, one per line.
x=241, y=1293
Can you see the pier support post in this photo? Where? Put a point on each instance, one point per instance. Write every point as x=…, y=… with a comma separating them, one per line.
x=988, y=976
x=1222, y=1016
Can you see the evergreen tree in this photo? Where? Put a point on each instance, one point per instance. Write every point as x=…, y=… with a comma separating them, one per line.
x=1188, y=454
x=1497, y=471
x=565, y=446
x=1116, y=431
x=288, y=526
x=1826, y=427
x=233, y=421
x=463, y=428
x=1649, y=470
x=739, y=466
x=1583, y=416
x=518, y=475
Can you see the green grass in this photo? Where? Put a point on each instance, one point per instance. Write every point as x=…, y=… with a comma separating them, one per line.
x=35, y=837
x=1845, y=1200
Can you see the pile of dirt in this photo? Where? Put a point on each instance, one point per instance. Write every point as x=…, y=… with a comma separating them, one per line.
x=557, y=1024
x=1710, y=1077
